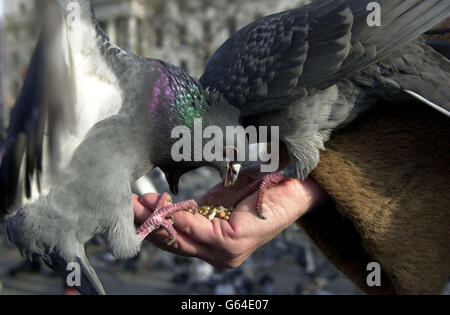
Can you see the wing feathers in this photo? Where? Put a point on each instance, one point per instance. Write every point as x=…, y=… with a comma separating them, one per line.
x=55, y=110
x=311, y=48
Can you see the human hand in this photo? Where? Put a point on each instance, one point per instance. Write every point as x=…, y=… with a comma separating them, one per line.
x=227, y=244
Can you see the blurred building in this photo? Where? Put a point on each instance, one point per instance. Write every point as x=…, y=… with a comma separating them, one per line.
x=19, y=39
x=182, y=32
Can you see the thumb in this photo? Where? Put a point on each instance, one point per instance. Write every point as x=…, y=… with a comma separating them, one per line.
x=149, y=200
x=144, y=206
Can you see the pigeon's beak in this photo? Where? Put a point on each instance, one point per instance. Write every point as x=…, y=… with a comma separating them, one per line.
x=231, y=176
x=173, y=179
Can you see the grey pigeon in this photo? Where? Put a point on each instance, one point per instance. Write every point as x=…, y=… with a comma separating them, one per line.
x=90, y=120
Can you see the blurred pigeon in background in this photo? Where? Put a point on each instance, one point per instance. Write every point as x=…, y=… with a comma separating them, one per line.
x=92, y=118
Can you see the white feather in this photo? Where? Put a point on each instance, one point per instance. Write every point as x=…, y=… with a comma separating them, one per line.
x=97, y=93
x=429, y=103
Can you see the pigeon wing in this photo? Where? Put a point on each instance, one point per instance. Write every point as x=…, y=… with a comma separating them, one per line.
x=35, y=118
x=282, y=58
x=50, y=117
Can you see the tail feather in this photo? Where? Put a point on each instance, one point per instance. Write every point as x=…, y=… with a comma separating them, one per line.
x=429, y=81
x=423, y=74
x=89, y=283
x=416, y=71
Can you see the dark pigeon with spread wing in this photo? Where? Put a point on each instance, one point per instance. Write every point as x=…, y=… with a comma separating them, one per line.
x=315, y=69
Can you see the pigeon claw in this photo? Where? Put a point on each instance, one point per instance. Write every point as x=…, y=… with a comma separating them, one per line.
x=163, y=201
x=265, y=184
x=171, y=241
x=261, y=186
x=164, y=208
x=261, y=215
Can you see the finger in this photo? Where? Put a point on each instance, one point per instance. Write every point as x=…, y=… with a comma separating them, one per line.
x=196, y=227
x=164, y=200
x=150, y=200
x=184, y=245
x=141, y=213
x=291, y=199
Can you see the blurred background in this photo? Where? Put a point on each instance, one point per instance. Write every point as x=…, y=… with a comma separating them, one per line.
x=184, y=33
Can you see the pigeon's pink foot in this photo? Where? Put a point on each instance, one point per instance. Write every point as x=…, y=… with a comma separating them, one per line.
x=262, y=186
x=164, y=208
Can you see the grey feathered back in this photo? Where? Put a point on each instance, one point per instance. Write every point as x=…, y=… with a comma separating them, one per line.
x=286, y=57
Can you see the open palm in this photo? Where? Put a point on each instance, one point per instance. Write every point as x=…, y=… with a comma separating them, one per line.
x=227, y=244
